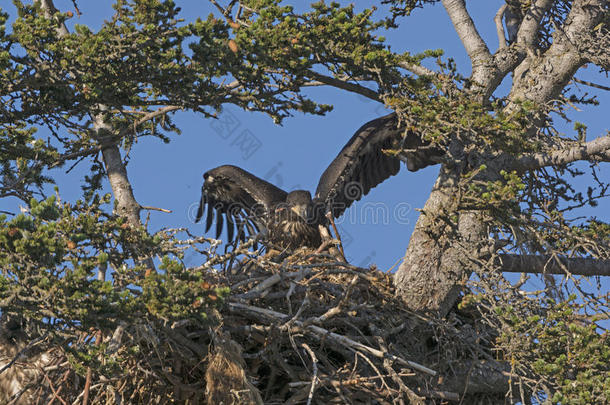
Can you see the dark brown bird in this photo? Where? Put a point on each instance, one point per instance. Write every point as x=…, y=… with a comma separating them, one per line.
x=290, y=220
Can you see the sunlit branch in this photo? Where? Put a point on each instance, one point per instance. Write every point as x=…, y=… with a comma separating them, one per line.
x=531, y=20
x=597, y=149
x=500, y=27
x=464, y=26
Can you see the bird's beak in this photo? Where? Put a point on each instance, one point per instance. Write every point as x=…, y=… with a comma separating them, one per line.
x=300, y=210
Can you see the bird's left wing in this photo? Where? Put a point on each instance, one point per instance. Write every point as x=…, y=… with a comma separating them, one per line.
x=239, y=197
x=362, y=164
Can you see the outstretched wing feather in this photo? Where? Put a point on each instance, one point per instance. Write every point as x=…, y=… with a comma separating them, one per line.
x=237, y=195
x=210, y=215
x=230, y=226
x=219, y=222
x=361, y=160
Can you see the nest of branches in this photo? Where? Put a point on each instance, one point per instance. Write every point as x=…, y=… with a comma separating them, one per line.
x=315, y=330
x=300, y=329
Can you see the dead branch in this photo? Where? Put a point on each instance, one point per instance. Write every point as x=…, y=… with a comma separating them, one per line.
x=322, y=333
x=549, y=265
x=314, y=378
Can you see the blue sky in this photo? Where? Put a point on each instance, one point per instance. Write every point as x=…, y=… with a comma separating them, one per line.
x=295, y=154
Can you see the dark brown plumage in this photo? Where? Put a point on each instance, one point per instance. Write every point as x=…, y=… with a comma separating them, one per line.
x=248, y=203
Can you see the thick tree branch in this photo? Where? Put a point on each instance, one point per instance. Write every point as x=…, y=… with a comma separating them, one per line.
x=528, y=30
x=480, y=57
x=503, y=62
x=594, y=47
x=548, y=265
x=583, y=18
x=507, y=59
x=49, y=11
x=127, y=205
x=464, y=26
x=597, y=149
x=546, y=76
x=487, y=71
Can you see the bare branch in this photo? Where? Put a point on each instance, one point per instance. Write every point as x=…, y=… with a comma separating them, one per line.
x=151, y=115
x=548, y=265
x=314, y=378
x=23, y=350
x=353, y=87
x=464, y=26
x=597, y=86
x=322, y=333
x=529, y=27
x=593, y=150
x=500, y=26
x=417, y=69
x=145, y=207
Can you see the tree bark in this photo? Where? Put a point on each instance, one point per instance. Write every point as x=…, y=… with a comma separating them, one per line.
x=126, y=204
x=440, y=258
x=435, y=267
x=549, y=265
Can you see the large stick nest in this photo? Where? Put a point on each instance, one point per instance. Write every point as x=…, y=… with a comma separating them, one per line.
x=306, y=330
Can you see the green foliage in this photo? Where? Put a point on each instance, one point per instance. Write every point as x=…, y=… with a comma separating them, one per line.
x=499, y=194
x=332, y=36
x=563, y=347
x=146, y=57
x=401, y=8
x=176, y=293
x=22, y=159
x=50, y=258
x=440, y=115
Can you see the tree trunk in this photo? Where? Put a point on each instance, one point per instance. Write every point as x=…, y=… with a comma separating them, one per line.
x=441, y=256
x=435, y=266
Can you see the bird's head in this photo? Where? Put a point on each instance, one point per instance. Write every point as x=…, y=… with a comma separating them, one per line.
x=299, y=202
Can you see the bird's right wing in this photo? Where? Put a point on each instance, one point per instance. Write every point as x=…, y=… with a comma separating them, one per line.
x=238, y=197
x=362, y=163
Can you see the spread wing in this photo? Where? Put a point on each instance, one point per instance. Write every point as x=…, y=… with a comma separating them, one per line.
x=237, y=197
x=362, y=165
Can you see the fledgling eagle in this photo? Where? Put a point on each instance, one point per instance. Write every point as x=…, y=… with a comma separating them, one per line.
x=291, y=220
